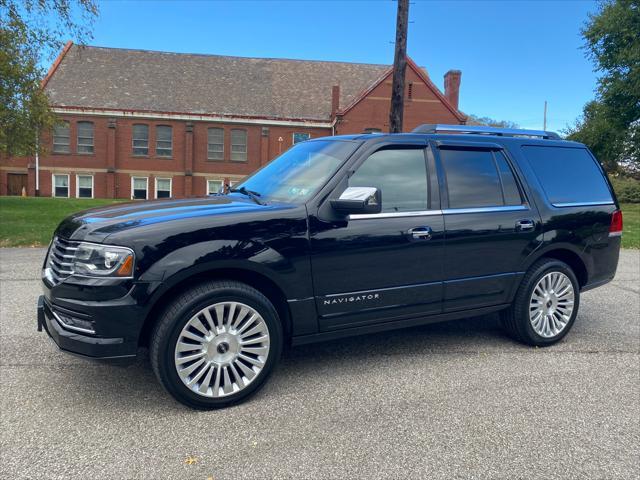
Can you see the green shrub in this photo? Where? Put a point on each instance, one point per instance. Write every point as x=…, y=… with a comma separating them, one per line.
x=627, y=189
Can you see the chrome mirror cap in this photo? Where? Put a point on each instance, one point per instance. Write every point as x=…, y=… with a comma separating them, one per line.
x=355, y=200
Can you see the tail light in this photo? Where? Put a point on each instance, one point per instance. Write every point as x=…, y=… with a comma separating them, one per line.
x=615, y=230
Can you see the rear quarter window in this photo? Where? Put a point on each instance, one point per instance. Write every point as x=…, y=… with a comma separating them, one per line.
x=568, y=175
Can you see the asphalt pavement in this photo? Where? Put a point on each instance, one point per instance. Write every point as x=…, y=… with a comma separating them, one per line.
x=452, y=400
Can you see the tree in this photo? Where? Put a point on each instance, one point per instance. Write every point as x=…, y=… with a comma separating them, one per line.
x=31, y=32
x=490, y=122
x=612, y=41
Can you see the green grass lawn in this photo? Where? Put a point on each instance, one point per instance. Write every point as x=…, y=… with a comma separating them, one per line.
x=631, y=220
x=29, y=222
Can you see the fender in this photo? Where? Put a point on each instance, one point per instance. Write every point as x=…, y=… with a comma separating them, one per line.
x=211, y=255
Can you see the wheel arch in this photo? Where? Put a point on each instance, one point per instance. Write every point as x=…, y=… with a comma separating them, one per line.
x=571, y=258
x=259, y=281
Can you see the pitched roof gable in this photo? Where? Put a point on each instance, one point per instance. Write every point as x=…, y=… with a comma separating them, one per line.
x=422, y=74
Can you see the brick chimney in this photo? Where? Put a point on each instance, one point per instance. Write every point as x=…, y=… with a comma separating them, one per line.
x=452, y=86
x=335, y=100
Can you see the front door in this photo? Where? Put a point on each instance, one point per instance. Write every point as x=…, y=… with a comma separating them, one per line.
x=490, y=226
x=15, y=183
x=386, y=266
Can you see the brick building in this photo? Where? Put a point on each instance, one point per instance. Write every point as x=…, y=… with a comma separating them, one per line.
x=143, y=124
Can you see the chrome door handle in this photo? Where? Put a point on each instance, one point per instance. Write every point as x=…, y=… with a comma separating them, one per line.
x=523, y=225
x=420, y=233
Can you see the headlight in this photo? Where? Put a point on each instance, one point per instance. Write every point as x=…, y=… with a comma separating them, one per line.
x=95, y=260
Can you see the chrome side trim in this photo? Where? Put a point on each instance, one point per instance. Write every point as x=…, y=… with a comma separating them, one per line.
x=615, y=234
x=422, y=213
x=580, y=204
x=506, y=208
x=446, y=211
x=65, y=325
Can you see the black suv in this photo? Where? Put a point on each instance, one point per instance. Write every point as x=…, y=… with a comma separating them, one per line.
x=338, y=236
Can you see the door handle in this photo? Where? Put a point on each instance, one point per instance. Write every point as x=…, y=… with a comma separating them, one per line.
x=523, y=225
x=420, y=233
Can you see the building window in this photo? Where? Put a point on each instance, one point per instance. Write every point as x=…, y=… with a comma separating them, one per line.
x=410, y=91
x=163, y=188
x=215, y=144
x=139, y=186
x=61, y=186
x=84, y=186
x=141, y=139
x=61, y=138
x=164, y=143
x=239, y=145
x=300, y=137
x=214, y=186
x=85, y=137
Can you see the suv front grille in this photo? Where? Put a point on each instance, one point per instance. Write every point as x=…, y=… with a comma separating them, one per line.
x=59, y=263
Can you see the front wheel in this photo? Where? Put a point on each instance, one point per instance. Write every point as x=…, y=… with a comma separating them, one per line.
x=545, y=306
x=216, y=344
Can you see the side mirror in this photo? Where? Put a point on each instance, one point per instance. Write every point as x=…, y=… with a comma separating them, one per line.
x=358, y=200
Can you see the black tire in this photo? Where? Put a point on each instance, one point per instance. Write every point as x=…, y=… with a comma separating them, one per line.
x=167, y=332
x=515, y=320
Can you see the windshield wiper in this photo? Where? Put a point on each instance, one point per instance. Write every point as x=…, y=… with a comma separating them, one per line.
x=249, y=193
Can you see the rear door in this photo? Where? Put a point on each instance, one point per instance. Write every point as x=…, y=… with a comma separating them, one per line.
x=490, y=226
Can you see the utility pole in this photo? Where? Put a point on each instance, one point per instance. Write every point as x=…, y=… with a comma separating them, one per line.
x=399, y=67
x=544, y=124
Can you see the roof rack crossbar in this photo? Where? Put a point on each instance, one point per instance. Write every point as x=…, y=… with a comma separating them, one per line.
x=485, y=130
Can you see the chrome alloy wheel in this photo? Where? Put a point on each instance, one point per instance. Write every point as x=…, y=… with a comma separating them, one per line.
x=551, y=304
x=222, y=349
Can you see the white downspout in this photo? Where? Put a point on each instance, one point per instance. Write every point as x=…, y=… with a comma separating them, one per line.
x=37, y=167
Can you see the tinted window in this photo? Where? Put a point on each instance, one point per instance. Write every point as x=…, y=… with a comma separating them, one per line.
x=472, y=178
x=568, y=175
x=509, y=186
x=401, y=176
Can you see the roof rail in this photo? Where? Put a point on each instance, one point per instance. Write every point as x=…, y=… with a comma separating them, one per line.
x=484, y=130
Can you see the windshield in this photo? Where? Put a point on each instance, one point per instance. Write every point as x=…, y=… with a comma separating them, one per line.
x=299, y=172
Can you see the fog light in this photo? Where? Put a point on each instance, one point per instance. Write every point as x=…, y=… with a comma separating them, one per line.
x=74, y=323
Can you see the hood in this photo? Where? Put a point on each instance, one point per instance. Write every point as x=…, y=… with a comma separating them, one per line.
x=98, y=223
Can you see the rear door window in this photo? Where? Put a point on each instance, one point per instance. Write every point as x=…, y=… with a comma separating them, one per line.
x=479, y=178
x=568, y=175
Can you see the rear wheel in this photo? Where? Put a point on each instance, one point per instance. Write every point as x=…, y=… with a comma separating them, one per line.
x=216, y=344
x=545, y=306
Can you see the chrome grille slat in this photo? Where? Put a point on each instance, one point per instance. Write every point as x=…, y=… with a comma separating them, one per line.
x=60, y=251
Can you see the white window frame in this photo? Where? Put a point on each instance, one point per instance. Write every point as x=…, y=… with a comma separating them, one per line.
x=293, y=137
x=146, y=179
x=78, y=184
x=53, y=184
x=219, y=180
x=170, y=186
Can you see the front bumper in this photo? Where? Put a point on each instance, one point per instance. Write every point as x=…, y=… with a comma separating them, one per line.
x=77, y=343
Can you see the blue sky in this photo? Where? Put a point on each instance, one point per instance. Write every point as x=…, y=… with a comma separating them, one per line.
x=514, y=55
